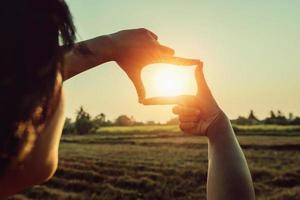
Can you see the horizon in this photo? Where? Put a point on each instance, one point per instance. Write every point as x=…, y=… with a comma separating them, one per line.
x=275, y=112
x=247, y=66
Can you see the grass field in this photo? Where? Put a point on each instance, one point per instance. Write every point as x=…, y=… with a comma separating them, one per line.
x=158, y=162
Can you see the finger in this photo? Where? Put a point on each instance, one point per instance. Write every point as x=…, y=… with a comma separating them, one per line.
x=179, y=61
x=189, y=100
x=160, y=101
x=139, y=86
x=187, y=126
x=166, y=51
x=188, y=118
x=144, y=30
x=183, y=110
x=153, y=35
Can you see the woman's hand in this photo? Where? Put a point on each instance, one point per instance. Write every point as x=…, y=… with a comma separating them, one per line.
x=196, y=113
x=131, y=49
x=137, y=48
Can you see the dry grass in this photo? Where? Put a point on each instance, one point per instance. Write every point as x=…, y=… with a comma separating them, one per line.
x=158, y=163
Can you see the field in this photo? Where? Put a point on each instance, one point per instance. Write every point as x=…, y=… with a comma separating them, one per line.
x=158, y=162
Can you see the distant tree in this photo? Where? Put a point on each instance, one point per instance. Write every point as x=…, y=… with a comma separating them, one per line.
x=291, y=117
x=69, y=127
x=296, y=121
x=99, y=120
x=124, y=120
x=241, y=121
x=83, y=123
x=252, y=116
x=252, y=119
x=173, y=121
x=151, y=122
x=279, y=119
x=279, y=113
x=272, y=114
x=138, y=123
x=108, y=123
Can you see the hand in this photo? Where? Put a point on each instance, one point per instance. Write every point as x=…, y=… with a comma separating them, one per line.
x=134, y=49
x=196, y=113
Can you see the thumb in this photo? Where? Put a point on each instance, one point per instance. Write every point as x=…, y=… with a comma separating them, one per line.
x=138, y=84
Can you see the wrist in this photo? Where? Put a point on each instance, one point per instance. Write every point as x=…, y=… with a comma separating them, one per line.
x=112, y=49
x=220, y=127
x=105, y=47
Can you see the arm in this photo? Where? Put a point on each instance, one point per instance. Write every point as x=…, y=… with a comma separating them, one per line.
x=41, y=162
x=228, y=173
x=86, y=55
x=131, y=49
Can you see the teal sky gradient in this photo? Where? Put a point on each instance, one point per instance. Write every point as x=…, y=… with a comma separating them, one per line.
x=251, y=51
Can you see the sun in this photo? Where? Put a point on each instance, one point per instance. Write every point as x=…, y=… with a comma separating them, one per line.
x=168, y=80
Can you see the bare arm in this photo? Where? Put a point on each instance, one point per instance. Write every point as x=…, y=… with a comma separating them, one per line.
x=228, y=173
x=131, y=49
x=86, y=55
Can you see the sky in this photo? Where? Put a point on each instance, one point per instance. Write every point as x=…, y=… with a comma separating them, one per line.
x=250, y=49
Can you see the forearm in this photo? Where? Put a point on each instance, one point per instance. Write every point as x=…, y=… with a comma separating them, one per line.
x=228, y=173
x=86, y=55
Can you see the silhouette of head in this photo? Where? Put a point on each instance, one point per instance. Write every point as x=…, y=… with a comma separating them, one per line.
x=31, y=35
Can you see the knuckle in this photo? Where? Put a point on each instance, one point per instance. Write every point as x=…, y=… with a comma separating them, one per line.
x=143, y=30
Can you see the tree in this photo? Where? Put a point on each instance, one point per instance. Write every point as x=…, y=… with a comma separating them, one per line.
x=99, y=120
x=83, y=123
x=124, y=120
x=241, y=120
x=279, y=119
x=68, y=127
x=291, y=117
x=151, y=122
x=252, y=116
x=272, y=114
x=296, y=121
x=173, y=121
x=252, y=119
x=279, y=113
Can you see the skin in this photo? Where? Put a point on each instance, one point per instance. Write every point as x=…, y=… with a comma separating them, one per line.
x=228, y=173
x=132, y=50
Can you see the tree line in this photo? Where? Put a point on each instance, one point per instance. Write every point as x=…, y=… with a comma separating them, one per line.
x=274, y=118
x=84, y=123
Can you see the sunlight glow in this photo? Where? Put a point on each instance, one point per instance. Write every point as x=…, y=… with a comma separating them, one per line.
x=168, y=80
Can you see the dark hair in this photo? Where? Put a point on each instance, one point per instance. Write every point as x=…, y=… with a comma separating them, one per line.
x=32, y=35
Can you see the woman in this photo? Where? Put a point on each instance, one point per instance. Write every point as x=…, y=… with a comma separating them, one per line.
x=38, y=55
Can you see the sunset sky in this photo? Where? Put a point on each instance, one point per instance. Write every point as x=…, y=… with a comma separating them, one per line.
x=251, y=51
